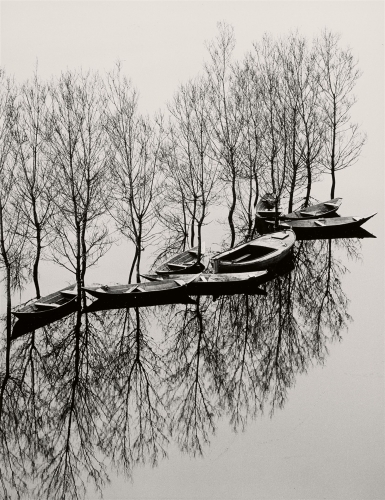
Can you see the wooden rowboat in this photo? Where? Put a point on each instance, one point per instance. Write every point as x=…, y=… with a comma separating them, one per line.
x=188, y=262
x=266, y=207
x=324, y=209
x=136, y=292
x=222, y=284
x=260, y=253
x=338, y=225
x=146, y=301
x=55, y=305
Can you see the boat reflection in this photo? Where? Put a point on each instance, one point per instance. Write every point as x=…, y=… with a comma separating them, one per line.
x=120, y=384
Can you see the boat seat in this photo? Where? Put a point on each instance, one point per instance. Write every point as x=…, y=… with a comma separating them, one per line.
x=180, y=282
x=177, y=266
x=242, y=257
x=46, y=304
x=319, y=223
x=280, y=236
x=135, y=288
x=333, y=205
x=69, y=292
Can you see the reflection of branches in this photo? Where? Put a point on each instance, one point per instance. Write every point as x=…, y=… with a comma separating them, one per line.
x=136, y=414
x=197, y=372
x=75, y=410
x=98, y=384
x=238, y=319
x=323, y=302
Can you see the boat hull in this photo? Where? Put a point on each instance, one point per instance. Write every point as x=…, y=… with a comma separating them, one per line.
x=224, y=284
x=53, y=306
x=139, y=292
x=324, y=209
x=186, y=262
x=262, y=253
x=325, y=226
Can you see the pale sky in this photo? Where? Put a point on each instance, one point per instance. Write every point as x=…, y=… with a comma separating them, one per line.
x=161, y=44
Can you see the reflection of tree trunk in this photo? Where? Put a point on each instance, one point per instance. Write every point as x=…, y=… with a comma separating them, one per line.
x=8, y=345
x=327, y=290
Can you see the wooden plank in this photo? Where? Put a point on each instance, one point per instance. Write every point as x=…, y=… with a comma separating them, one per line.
x=242, y=257
x=46, y=304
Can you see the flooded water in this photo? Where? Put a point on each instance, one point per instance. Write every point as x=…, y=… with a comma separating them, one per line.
x=273, y=395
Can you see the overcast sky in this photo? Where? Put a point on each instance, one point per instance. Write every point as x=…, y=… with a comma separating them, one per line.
x=162, y=43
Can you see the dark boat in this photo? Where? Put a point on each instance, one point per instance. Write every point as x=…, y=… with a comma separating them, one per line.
x=51, y=307
x=147, y=301
x=260, y=253
x=325, y=209
x=320, y=227
x=266, y=207
x=222, y=284
x=136, y=292
x=188, y=262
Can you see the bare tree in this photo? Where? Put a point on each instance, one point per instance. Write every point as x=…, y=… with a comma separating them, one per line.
x=227, y=116
x=12, y=266
x=136, y=147
x=77, y=152
x=192, y=174
x=338, y=74
x=34, y=182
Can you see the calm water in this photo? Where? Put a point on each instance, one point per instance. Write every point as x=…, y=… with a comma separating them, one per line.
x=247, y=396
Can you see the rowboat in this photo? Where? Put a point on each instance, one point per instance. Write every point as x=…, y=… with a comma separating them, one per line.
x=137, y=292
x=260, y=253
x=147, y=301
x=322, y=226
x=324, y=209
x=266, y=207
x=51, y=307
x=223, y=284
x=185, y=262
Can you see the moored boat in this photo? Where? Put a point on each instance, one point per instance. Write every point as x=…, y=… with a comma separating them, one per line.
x=266, y=207
x=135, y=292
x=223, y=284
x=186, y=262
x=324, y=209
x=322, y=226
x=55, y=305
x=260, y=253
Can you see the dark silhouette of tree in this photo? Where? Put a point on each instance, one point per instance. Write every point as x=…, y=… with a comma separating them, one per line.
x=12, y=267
x=77, y=152
x=191, y=176
x=227, y=116
x=135, y=164
x=34, y=181
x=338, y=74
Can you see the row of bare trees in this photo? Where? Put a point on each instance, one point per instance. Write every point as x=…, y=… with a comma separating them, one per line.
x=80, y=165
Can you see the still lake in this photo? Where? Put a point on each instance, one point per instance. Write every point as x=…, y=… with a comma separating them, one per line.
x=276, y=396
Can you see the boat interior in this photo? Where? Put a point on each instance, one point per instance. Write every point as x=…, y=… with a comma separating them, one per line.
x=250, y=253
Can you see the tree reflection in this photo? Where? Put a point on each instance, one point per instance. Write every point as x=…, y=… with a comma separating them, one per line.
x=193, y=387
x=135, y=429
x=101, y=386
